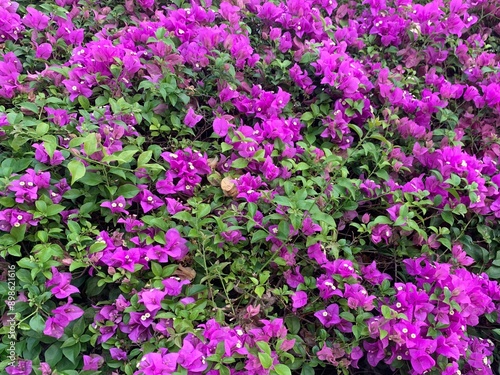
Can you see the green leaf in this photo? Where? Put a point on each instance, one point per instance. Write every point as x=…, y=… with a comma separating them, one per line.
x=283, y=201
x=97, y=246
x=259, y=235
x=144, y=158
x=41, y=206
x=486, y=232
x=183, y=215
x=73, y=352
x=348, y=316
x=125, y=156
x=68, y=343
x=29, y=106
x=265, y=360
x=357, y=129
x=74, y=227
x=282, y=369
x=54, y=209
x=42, y=129
x=260, y=290
x=77, y=170
x=386, y=312
x=90, y=144
x=283, y=230
x=79, y=327
x=15, y=251
x=53, y=355
x=84, y=102
x=226, y=147
x=307, y=370
x=264, y=346
x=382, y=220
x=302, y=166
x=92, y=179
x=239, y=163
x=127, y=191
x=223, y=370
x=493, y=272
x=73, y=194
x=37, y=324
x=448, y=217
x=356, y=331
x=383, y=334
x=76, y=265
x=293, y=324
x=157, y=269
x=203, y=210
x=18, y=232
x=460, y=209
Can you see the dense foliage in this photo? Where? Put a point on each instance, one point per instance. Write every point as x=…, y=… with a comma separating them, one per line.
x=249, y=187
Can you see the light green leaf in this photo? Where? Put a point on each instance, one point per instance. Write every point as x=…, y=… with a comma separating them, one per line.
x=282, y=369
x=144, y=158
x=77, y=170
x=260, y=291
x=265, y=360
x=239, y=163
x=42, y=129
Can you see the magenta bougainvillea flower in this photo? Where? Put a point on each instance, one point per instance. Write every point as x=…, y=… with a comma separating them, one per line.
x=63, y=315
x=69, y=310
x=54, y=326
x=118, y=354
x=152, y=299
x=175, y=245
x=192, y=118
x=35, y=19
x=299, y=299
x=354, y=132
x=44, y=51
x=329, y=316
x=247, y=187
x=173, y=286
x=23, y=367
x=381, y=232
x=158, y=363
x=92, y=362
x=60, y=283
x=43, y=157
x=191, y=359
x=14, y=218
x=59, y=117
x=116, y=206
x=309, y=227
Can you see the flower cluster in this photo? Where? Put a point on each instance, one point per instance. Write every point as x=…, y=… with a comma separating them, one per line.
x=253, y=187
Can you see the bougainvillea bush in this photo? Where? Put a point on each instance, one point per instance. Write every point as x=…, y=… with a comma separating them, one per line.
x=249, y=187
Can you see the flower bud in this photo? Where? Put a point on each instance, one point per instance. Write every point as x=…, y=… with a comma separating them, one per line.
x=228, y=187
